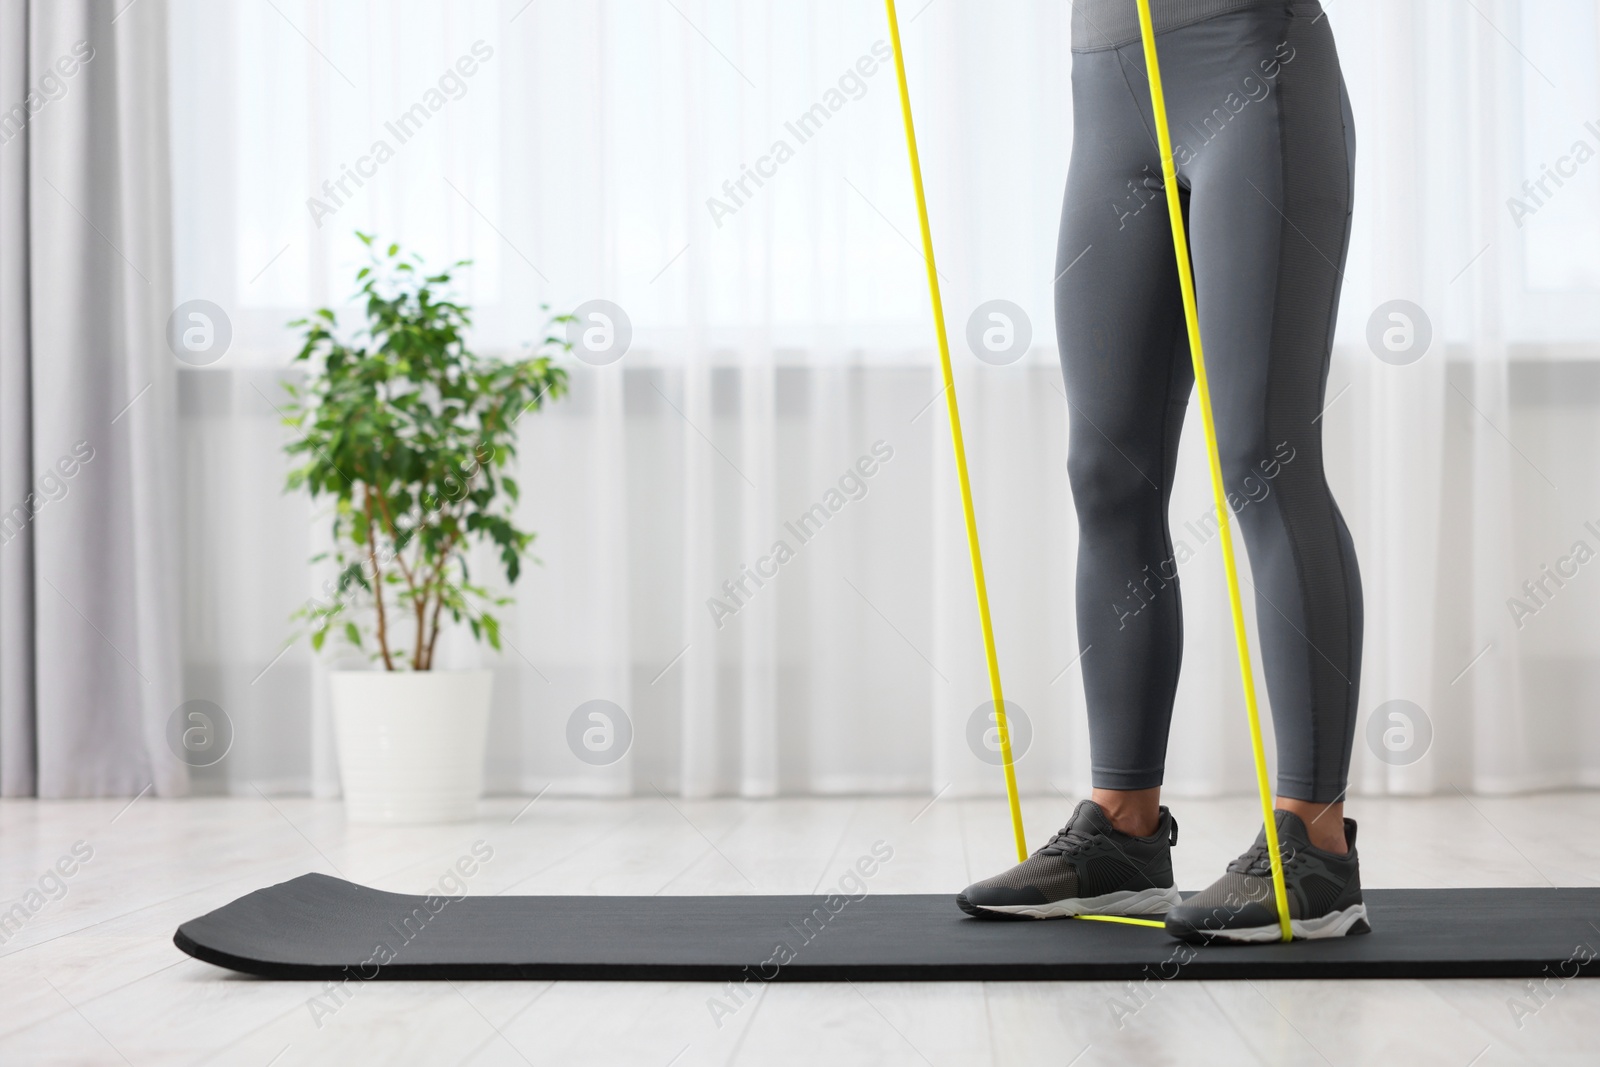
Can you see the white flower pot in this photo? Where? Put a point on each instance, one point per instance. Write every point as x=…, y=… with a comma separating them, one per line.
x=411, y=744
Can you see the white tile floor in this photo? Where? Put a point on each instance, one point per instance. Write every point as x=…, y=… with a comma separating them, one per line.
x=92, y=977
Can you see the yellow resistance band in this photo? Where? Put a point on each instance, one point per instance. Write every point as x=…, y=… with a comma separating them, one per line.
x=956, y=443
x=1157, y=923
x=1169, y=178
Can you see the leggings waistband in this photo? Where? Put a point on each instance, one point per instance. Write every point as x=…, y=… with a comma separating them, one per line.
x=1102, y=24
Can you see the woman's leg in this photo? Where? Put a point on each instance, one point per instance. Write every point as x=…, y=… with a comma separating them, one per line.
x=1258, y=97
x=1264, y=143
x=1270, y=215
x=1128, y=378
x=1119, y=325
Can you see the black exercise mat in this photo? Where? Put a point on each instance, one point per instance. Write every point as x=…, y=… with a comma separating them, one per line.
x=316, y=927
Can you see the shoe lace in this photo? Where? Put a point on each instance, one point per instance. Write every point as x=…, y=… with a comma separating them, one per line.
x=1258, y=860
x=1067, y=841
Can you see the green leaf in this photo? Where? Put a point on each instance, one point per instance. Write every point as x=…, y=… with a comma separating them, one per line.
x=491, y=627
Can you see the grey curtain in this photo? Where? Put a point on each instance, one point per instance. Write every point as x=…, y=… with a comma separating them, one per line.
x=89, y=664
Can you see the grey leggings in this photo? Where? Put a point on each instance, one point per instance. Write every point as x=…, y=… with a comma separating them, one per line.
x=1264, y=144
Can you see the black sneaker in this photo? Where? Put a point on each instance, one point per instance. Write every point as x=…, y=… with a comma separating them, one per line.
x=1087, y=868
x=1324, y=893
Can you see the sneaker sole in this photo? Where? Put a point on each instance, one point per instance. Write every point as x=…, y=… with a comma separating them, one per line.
x=1350, y=921
x=1122, y=902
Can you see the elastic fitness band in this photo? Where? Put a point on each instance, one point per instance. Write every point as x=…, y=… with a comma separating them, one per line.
x=1219, y=495
x=957, y=445
x=1180, y=244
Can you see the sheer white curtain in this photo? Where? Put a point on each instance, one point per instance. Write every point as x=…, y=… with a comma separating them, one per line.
x=1466, y=472
x=630, y=152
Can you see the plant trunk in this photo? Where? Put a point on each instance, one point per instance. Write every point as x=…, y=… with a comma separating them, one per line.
x=433, y=635
x=377, y=584
x=417, y=662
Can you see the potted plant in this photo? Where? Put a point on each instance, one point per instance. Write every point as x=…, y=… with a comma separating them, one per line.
x=408, y=434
